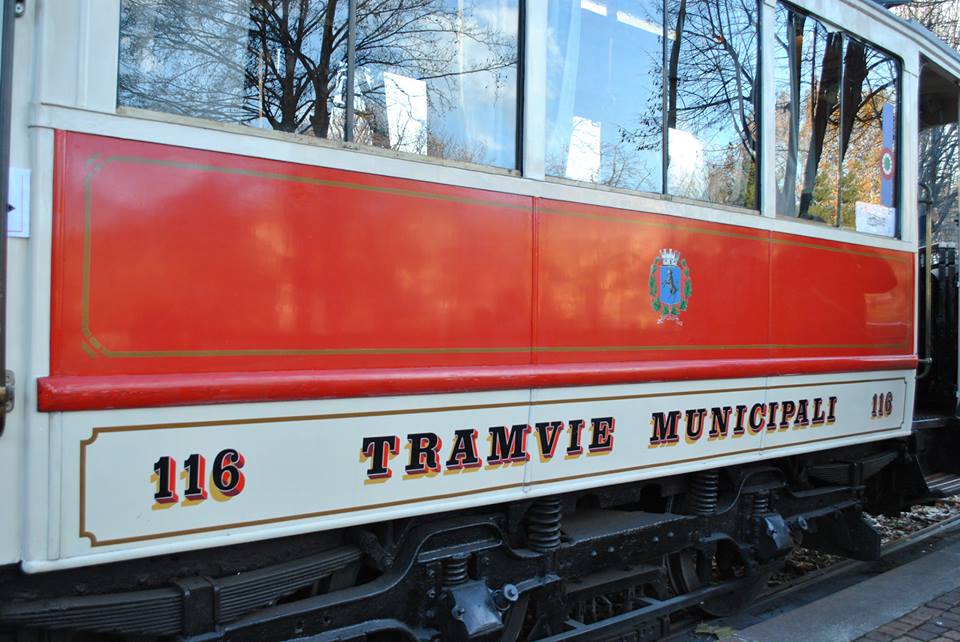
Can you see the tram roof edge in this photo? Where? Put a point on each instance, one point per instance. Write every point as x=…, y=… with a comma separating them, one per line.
x=934, y=41
x=949, y=57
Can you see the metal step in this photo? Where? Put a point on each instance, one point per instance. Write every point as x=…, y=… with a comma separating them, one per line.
x=943, y=484
x=928, y=422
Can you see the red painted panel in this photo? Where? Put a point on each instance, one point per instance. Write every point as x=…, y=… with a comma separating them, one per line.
x=171, y=265
x=833, y=299
x=202, y=262
x=137, y=391
x=594, y=290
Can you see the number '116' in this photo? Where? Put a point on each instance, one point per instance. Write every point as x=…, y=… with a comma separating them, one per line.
x=882, y=405
x=225, y=476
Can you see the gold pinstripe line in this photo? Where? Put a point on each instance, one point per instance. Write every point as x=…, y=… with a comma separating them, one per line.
x=94, y=166
x=97, y=431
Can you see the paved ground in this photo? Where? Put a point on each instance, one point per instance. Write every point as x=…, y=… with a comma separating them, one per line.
x=869, y=605
x=937, y=620
x=911, y=595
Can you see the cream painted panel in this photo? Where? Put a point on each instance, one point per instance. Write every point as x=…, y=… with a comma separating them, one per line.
x=305, y=468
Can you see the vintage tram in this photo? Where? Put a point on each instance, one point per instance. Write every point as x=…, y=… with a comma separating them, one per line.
x=389, y=319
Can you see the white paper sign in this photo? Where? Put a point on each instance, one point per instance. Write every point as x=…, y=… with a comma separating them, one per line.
x=876, y=219
x=18, y=191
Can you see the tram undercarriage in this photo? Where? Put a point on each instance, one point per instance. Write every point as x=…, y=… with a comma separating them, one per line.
x=595, y=564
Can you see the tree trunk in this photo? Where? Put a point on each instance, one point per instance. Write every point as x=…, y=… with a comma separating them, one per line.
x=787, y=196
x=673, y=73
x=855, y=72
x=321, y=78
x=827, y=103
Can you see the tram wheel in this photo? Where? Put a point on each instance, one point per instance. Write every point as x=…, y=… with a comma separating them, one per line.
x=691, y=569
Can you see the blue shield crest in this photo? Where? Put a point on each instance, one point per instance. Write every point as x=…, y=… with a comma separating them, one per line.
x=670, y=284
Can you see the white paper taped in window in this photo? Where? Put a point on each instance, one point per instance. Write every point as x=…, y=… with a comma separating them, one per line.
x=876, y=219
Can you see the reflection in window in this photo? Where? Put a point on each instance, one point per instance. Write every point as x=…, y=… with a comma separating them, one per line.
x=433, y=77
x=808, y=70
x=939, y=173
x=712, y=73
x=231, y=60
x=438, y=77
x=867, y=197
x=836, y=127
x=604, y=107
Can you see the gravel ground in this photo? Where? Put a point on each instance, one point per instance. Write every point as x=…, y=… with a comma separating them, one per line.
x=802, y=560
x=893, y=528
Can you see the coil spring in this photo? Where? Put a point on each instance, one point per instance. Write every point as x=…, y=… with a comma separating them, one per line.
x=543, y=524
x=455, y=570
x=761, y=503
x=704, y=492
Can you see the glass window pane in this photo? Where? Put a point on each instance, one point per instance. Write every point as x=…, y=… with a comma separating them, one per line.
x=808, y=69
x=712, y=74
x=867, y=195
x=604, y=105
x=786, y=69
x=940, y=172
x=268, y=64
x=438, y=77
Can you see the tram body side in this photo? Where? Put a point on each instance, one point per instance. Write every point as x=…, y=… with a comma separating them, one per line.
x=237, y=264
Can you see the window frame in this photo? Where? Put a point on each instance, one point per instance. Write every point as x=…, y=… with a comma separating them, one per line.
x=75, y=87
x=760, y=116
x=346, y=141
x=759, y=105
x=899, y=126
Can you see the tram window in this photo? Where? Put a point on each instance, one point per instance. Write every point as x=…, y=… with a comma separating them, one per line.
x=712, y=93
x=836, y=126
x=939, y=154
x=867, y=196
x=808, y=71
x=433, y=77
x=604, y=105
x=232, y=60
x=439, y=77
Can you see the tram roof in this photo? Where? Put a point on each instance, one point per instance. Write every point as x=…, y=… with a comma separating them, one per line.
x=931, y=45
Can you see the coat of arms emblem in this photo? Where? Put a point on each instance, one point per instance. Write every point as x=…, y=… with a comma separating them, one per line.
x=670, y=285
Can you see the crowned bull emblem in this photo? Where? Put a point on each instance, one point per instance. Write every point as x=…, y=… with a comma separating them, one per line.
x=670, y=285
